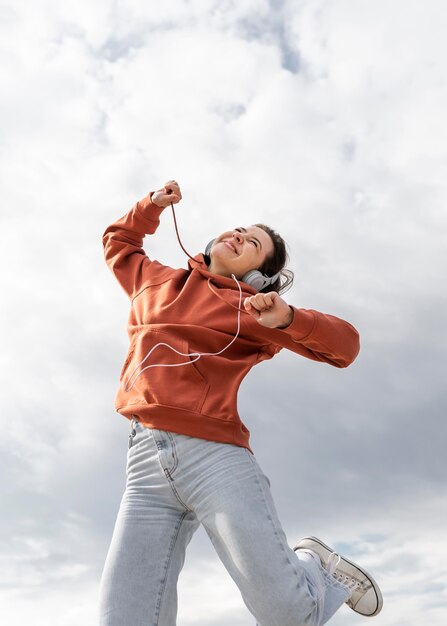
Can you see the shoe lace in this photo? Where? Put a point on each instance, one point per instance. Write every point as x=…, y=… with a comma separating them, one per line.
x=352, y=583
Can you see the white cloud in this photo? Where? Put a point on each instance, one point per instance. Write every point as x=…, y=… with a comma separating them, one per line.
x=346, y=157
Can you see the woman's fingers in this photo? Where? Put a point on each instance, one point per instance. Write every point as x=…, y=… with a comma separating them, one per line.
x=172, y=187
x=172, y=197
x=261, y=301
x=170, y=193
x=251, y=309
x=269, y=309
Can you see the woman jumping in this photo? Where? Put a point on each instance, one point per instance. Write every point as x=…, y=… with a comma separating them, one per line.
x=194, y=335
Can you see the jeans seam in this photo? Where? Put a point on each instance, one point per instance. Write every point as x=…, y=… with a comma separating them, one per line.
x=174, y=453
x=166, y=566
x=171, y=483
x=167, y=472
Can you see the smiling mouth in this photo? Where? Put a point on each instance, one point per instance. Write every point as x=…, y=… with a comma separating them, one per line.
x=230, y=245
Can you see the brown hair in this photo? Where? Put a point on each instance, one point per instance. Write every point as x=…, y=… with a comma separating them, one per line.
x=276, y=263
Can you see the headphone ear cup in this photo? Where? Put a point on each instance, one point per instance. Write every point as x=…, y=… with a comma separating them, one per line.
x=208, y=247
x=259, y=281
x=255, y=279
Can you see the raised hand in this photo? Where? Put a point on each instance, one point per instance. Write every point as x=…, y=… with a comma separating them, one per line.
x=269, y=309
x=170, y=193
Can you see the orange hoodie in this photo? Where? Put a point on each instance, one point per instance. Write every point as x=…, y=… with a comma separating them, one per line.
x=195, y=311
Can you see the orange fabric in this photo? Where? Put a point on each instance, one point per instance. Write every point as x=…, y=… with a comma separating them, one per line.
x=177, y=307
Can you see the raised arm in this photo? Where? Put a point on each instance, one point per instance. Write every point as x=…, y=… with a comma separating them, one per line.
x=312, y=334
x=123, y=240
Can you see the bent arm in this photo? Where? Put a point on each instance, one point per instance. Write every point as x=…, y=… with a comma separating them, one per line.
x=123, y=244
x=317, y=336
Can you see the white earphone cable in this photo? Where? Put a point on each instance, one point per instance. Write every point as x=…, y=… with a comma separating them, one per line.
x=198, y=355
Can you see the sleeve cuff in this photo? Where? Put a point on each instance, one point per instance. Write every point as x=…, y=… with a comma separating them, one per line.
x=302, y=325
x=148, y=210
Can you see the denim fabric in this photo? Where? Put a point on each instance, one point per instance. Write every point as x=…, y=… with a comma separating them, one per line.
x=176, y=482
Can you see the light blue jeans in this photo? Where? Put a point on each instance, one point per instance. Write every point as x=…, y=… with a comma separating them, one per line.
x=176, y=482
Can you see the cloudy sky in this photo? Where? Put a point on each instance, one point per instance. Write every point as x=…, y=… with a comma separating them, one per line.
x=325, y=119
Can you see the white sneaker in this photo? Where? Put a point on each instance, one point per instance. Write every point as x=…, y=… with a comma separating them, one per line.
x=366, y=598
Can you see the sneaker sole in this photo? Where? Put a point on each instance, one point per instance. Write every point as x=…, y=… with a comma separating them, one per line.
x=309, y=543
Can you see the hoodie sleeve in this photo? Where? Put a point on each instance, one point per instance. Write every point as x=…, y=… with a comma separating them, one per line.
x=123, y=244
x=317, y=336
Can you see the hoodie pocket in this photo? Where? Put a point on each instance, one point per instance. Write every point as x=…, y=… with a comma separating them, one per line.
x=159, y=370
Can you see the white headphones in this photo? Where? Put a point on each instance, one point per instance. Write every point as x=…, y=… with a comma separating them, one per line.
x=254, y=278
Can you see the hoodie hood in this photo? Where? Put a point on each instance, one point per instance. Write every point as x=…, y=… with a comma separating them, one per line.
x=198, y=263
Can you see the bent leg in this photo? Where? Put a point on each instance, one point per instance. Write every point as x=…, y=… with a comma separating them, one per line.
x=277, y=586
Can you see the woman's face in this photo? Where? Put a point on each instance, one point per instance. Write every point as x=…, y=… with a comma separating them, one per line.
x=240, y=250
